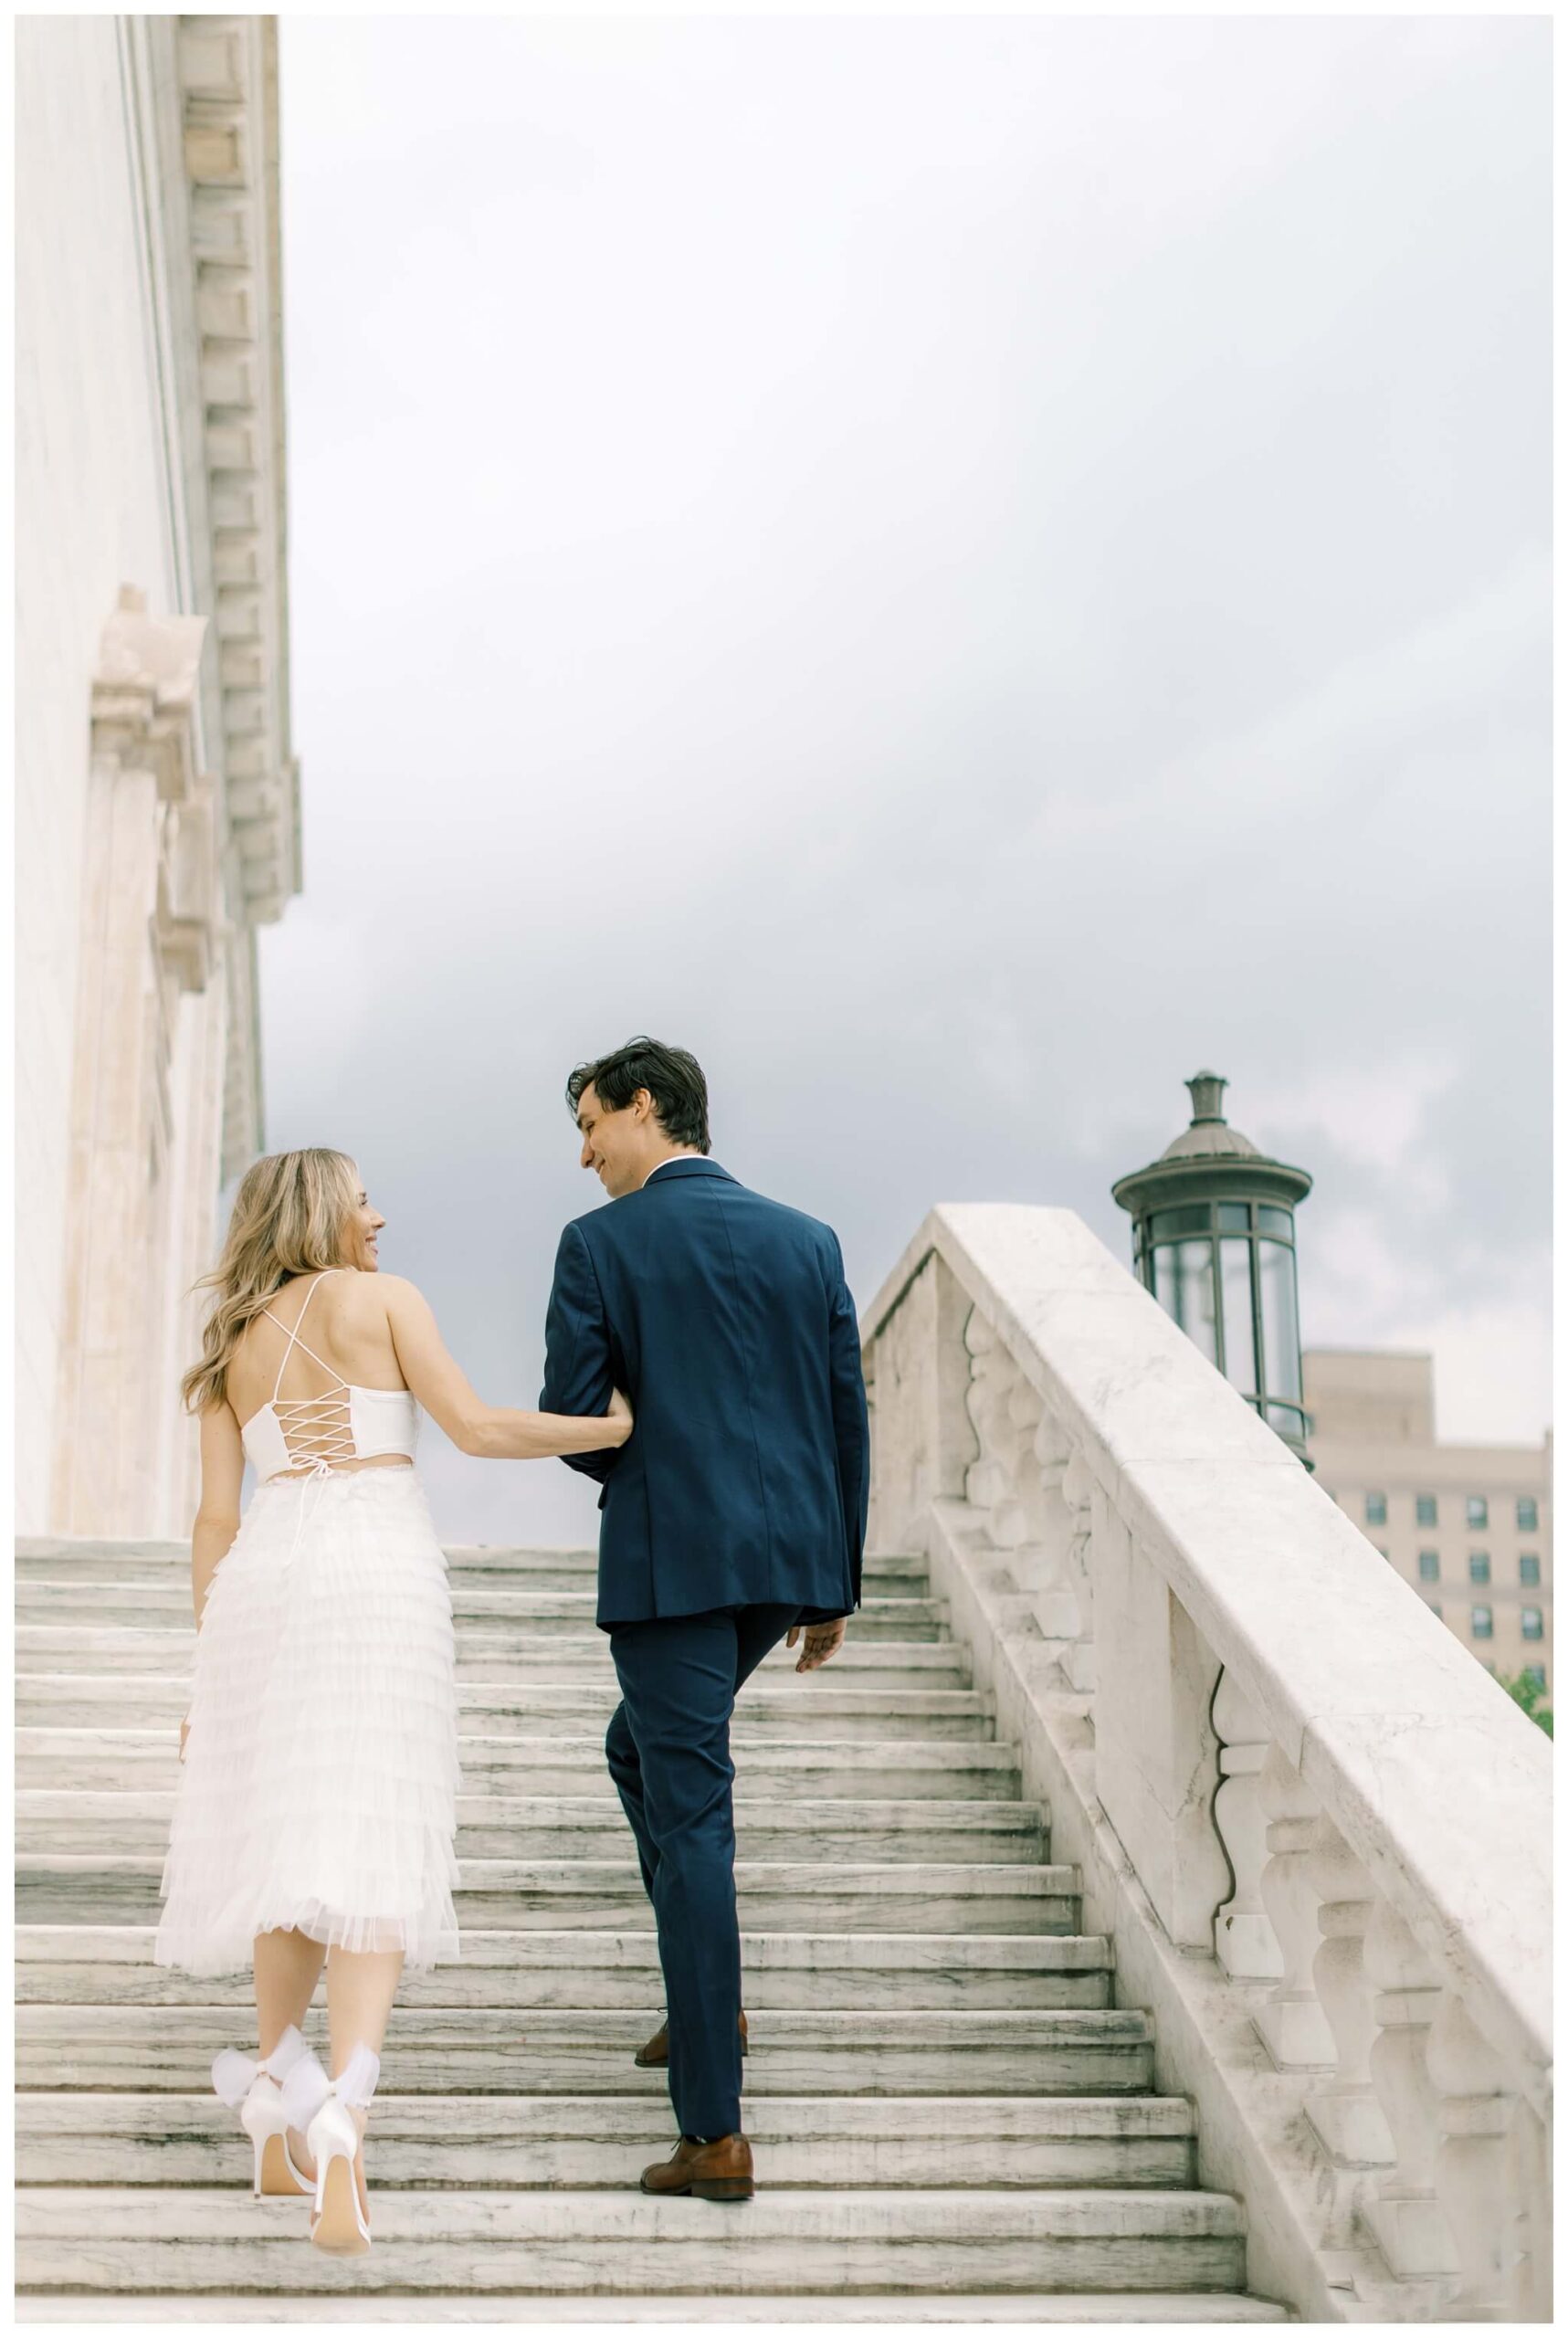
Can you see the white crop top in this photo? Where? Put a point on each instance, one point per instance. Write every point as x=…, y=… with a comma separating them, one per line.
x=347, y=1423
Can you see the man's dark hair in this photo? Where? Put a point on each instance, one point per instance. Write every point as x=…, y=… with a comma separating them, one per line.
x=672, y=1078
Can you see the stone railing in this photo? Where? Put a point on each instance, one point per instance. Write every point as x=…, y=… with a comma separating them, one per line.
x=1316, y=1831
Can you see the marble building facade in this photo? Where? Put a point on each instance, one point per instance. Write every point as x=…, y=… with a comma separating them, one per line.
x=157, y=790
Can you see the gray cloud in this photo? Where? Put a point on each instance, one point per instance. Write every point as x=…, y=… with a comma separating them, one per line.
x=959, y=568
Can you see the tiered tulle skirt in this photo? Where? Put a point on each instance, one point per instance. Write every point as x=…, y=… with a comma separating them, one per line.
x=318, y=1790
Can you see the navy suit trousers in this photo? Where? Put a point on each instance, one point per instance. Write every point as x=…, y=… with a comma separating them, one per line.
x=668, y=1752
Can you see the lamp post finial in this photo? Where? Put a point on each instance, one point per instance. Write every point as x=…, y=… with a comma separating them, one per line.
x=1206, y=1089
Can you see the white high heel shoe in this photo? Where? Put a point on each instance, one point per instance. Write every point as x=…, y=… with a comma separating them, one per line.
x=324, y=2109
x=253, y=2088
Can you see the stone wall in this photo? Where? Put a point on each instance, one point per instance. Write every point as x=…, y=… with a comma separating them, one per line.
x=92, y=512
x=158, y=791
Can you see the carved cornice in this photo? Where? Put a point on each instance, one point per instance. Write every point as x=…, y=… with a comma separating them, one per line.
x=145, y=693
x=144, y=698
x=226, y=71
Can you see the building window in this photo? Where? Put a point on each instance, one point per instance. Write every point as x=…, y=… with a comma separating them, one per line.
x=1475, y=1509
x=1377, y=1510
x=1481, y=1623
x=1529, y=1569
x=1481, y=1566
x=1425, y=1510
x=1431, y=1571
x=1436, y=1608
x=1526, y=1514
x=1536, y=1673
x=1529, y=1623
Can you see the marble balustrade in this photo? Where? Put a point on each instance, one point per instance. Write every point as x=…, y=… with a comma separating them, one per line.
x=1319, y=1829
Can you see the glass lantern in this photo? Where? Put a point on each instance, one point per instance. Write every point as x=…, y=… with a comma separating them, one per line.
x=1214, y=1237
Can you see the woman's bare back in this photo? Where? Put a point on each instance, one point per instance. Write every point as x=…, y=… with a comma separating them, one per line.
x=344, y=1322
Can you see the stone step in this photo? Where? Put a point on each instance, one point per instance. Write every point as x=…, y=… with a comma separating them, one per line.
x=948, y=2109
x=593, y=1827
x=565, y=1613
x=496, y=1656
x=503, y=2141
x=1063, y=2308
x=799, y=1705
x=611, y=2243
x=896, y=1770
x=442, y=2049
x=56, y=1888
x=113, y=1965
x=50, y=1558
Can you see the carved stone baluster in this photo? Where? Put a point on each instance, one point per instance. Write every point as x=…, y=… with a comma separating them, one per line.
x=1403, y=2211
x=1017, y=1520
x=990, y=1375
x=1003, y=1482
x=1054, y=1599
x=1154, y=1747
x=1243, y=1938
x=1078, y=1493
x=1019, y=1485
x=1529, y=2275
x=918, y=1376
x=1477, y=2178
x=1290, y=2022
x=1345, y=2115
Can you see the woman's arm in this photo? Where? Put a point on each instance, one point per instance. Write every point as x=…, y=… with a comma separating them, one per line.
x=495, y=1432
x=218, y=1517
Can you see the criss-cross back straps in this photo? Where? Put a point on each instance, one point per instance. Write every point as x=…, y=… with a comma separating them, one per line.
x=293, y=1331
x=322, y=1424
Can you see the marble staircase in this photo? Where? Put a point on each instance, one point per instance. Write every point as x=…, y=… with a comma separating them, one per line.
x=954, y=2118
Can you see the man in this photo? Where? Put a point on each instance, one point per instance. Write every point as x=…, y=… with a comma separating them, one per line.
x=735, y=1515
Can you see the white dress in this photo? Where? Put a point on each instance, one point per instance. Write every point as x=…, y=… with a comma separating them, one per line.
x=319, y=1789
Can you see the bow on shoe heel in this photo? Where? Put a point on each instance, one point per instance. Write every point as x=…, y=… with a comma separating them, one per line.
x=324, y=2108
x=255, y=2089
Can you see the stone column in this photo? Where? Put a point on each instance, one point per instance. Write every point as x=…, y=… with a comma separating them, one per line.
x=113, y=1363
x=106, y=1241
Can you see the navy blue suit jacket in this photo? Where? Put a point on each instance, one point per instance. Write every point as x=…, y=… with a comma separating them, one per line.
x=726, y=1318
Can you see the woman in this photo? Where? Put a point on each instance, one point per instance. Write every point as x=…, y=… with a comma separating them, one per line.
x=316, y=1812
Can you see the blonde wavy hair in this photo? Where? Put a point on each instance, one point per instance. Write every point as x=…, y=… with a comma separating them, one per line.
x=288, y=1219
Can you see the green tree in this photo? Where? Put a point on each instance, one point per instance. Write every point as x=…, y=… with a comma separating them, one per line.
x=1531, y=1697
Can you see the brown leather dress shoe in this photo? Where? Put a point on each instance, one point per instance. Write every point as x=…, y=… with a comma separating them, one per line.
x=655, y=2055
x=717, y=2171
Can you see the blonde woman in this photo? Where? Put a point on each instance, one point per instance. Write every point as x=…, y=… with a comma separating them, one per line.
x=316, y=1811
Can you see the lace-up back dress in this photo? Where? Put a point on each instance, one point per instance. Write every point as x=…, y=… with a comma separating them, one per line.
x=318, y=1790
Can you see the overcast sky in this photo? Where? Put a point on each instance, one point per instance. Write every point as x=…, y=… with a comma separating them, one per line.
x=962, y=568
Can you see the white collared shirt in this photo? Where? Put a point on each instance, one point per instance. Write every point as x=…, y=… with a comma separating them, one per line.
x=674, y=1157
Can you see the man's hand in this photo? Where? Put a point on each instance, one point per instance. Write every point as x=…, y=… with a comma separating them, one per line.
x=822, y=1640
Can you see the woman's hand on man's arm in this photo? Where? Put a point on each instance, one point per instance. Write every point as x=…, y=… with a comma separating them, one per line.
x=490, y=1432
